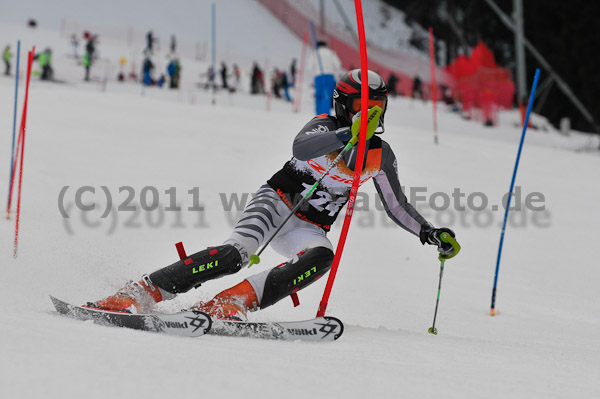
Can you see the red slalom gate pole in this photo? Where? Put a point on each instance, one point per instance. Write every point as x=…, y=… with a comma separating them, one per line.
x=298, y=82
x=14, y=169
x=433, y=85
x=20, y=137
x=364, y=110
x=22, y=134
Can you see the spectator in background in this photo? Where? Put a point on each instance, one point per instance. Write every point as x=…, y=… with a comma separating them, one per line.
x=89, y=55
x=293, y=71
x=121, y=75
x=87, y=63
x=150, y=39
x=417, y=88
x=6, y=56
x=210, y=78
x=257, y=81
x=237, y=72
x=286, y=86
x=391, y=84
x=173, y=46
x=325, y=66
x=276, y=83
x=224, y=75
x=75, y=44
x=147, y=70
x=45, y=60
x=174, y=71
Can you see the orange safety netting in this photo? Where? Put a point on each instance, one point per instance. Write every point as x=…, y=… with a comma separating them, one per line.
x=482, y=87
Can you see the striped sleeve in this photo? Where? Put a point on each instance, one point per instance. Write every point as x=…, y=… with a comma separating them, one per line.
x=394, y=201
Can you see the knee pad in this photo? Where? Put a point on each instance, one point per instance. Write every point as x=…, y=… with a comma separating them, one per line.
x=202, y=266
x=292, y=276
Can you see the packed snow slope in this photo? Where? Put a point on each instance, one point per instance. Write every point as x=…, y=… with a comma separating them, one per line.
x=543, y=344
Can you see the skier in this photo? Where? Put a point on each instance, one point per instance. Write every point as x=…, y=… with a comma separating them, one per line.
x=303, y=239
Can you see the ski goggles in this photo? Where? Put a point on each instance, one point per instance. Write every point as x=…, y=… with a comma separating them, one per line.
x=354, y=104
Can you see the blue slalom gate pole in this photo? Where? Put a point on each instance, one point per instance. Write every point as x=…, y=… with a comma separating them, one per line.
x=213, y=10
x=512, y=186
x=12, y=153
x=314, y=35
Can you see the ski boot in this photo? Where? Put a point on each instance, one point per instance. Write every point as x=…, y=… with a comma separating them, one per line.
x=231, y=304
x=135, y=297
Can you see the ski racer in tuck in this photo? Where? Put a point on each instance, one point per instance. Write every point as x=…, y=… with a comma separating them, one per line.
x=303, y=239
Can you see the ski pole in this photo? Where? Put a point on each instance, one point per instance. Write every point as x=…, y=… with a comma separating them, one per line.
x=372, y=120
x=450, y=240
x=255, y=259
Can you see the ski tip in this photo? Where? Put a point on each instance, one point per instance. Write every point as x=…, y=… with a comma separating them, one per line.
x=54, y=300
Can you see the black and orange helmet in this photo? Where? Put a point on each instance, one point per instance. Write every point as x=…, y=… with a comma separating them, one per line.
x=347, y=101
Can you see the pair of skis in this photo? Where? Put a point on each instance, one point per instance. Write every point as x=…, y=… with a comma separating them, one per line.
x=192, y=323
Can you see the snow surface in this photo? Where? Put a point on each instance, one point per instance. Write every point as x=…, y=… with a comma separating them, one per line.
x=543, y=344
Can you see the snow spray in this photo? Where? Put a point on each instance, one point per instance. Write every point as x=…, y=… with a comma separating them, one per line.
x=512, y=185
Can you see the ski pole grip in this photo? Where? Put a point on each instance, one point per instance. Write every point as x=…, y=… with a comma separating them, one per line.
x=452, y=241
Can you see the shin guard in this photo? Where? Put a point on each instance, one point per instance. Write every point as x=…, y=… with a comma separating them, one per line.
x=292, y=276
x=202, y=266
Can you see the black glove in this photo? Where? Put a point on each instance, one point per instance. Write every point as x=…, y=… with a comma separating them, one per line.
x=432, y=236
